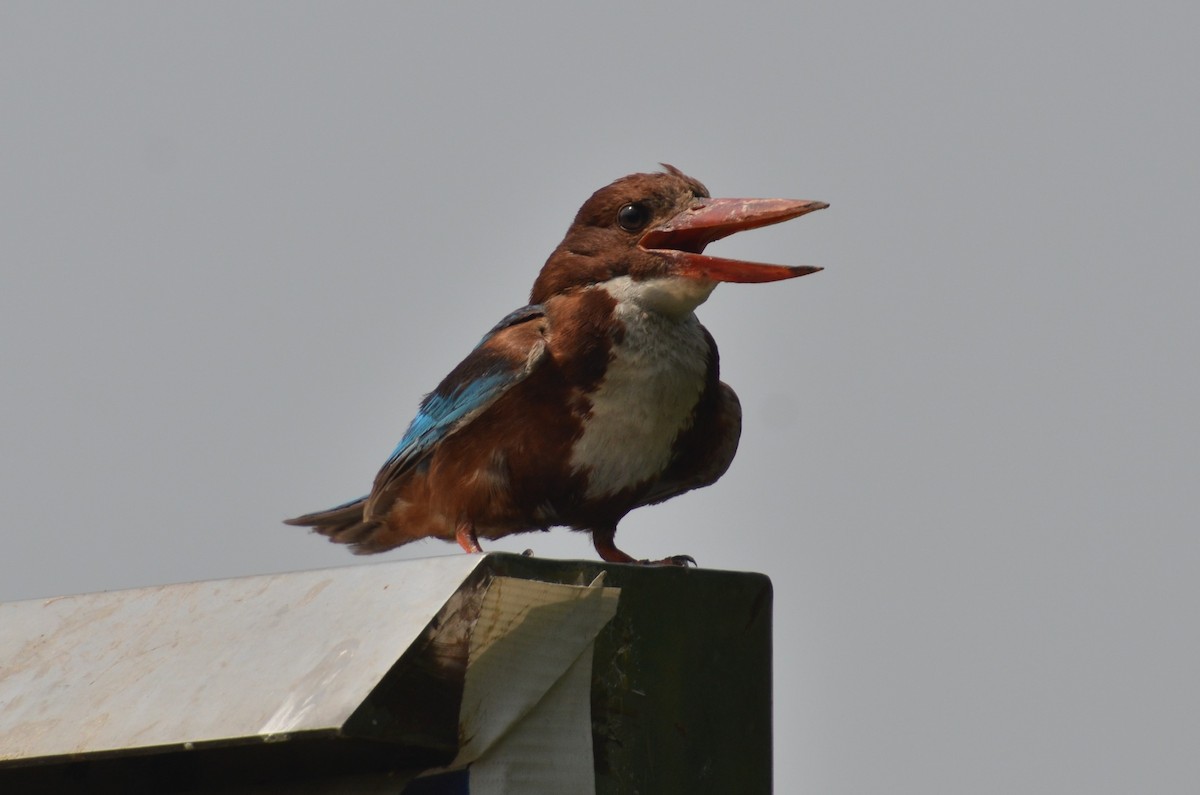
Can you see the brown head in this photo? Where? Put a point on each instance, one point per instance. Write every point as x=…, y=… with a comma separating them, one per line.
x=655, y=227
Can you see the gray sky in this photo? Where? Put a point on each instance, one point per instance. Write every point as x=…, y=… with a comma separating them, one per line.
x=240, y=241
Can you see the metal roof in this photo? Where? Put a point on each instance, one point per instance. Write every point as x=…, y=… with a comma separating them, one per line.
x=253, y=657
x=519, y=674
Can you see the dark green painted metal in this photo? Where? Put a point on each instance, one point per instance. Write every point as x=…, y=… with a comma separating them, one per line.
x=681, y=691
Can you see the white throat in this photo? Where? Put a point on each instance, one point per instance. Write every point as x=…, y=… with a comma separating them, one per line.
x=654, y=379
x=673, y=296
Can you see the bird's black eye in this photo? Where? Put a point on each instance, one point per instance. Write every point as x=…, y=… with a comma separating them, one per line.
x=633, y=216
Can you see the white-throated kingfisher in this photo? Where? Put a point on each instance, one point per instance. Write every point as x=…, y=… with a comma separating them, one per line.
x=599, y=397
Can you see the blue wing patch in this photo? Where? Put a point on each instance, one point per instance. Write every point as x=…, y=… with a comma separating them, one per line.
x=487, y=373
x=440, y=413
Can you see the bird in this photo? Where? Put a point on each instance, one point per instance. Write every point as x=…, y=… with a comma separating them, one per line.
x=600, y=396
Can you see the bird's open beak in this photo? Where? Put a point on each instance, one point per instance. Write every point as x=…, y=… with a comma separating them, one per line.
x=682, y=238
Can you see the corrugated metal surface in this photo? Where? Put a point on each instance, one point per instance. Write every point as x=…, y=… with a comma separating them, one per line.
x=257, y=657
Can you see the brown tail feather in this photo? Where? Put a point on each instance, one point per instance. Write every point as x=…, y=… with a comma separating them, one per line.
x=343, y=525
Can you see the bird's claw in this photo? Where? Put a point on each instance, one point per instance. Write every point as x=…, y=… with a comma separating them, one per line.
x=674, y=560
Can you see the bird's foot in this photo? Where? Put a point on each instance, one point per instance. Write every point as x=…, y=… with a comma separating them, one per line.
x=673, y=560
x=602, y=539
x=464, y=534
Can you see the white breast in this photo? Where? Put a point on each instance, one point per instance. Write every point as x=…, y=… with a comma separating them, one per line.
x=652, y=384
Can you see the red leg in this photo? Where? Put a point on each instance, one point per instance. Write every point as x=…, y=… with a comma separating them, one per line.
x=602, y=540
x=464, y=534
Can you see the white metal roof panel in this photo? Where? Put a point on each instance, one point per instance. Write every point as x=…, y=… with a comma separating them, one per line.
x=208, y=661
